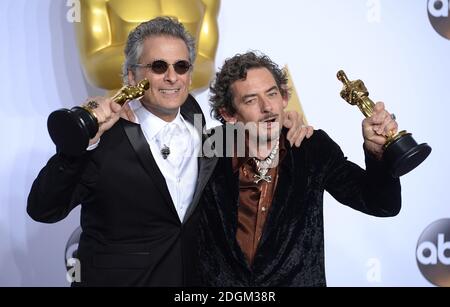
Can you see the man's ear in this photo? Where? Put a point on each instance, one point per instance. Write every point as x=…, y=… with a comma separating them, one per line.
x=227, y=117
x=131, y=79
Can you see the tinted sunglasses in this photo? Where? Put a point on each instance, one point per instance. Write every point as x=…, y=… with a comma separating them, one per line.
x=160, y=67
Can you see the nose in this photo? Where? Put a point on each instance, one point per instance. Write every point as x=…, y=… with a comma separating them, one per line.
x=266, y=105
x=170, y=75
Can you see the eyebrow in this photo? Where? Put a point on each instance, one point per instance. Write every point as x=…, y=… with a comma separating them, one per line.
x=253, y=95
x=161, y=59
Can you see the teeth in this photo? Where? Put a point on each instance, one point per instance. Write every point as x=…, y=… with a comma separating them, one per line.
x=170, y=91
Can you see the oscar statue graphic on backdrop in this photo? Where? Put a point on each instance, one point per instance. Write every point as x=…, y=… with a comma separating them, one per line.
x=105, y=25
x=401, y=151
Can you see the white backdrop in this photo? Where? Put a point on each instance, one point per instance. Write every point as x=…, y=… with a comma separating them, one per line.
x=391, y=45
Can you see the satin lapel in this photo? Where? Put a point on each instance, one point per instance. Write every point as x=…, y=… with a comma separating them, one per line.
x=205, y=165
x=206, y=168
x=142, y=149
x=189, y=109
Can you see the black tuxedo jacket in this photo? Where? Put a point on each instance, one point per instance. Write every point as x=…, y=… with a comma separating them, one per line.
x=132, y=234
x=291, y=249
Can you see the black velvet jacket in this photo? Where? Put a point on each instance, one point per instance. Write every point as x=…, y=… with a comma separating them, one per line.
x=291, y=250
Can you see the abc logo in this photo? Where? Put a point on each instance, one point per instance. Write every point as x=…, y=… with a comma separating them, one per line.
x=71, y=250
x=438, y=13
x=433, y=253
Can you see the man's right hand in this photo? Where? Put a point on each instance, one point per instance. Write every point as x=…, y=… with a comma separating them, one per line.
x=107, y=113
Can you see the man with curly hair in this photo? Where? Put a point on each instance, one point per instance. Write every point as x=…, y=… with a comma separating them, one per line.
x=262, y=219
x=138, y=183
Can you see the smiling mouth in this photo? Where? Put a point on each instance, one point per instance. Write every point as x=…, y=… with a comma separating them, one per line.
x=169, y=91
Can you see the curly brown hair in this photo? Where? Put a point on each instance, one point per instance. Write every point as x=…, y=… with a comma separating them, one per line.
x=234, y=69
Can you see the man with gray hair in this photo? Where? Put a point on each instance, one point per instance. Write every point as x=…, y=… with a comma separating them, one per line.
x=138, y=183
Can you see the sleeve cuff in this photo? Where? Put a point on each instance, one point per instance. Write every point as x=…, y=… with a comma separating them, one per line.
x=93, y=146
x=375, y=166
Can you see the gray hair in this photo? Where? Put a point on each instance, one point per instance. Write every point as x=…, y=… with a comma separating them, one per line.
x=159, y=26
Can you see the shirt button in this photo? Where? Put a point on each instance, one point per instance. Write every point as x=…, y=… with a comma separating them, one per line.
x=263, y=209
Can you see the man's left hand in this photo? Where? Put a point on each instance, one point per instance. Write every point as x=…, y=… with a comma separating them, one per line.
x=376, y=128
x=297, y=129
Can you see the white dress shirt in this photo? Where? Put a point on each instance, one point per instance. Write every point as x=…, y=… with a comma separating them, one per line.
x=180, y=168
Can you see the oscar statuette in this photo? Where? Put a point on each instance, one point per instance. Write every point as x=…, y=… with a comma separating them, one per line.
x=72, y=129
x=401, y=152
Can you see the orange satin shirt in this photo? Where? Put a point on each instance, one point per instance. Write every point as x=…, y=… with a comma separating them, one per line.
x=254, y=202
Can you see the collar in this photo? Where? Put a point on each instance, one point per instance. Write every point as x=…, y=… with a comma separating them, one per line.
x=151, y=123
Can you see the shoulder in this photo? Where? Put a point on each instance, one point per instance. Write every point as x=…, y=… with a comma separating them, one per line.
x=319, y=139
x=116, y=133
x=191, y=105
x=319, y=147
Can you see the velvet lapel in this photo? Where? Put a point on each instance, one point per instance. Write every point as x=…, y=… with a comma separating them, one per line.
x=225, y=189
x=292, y=178
x=226, y=194
x=142, y=149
